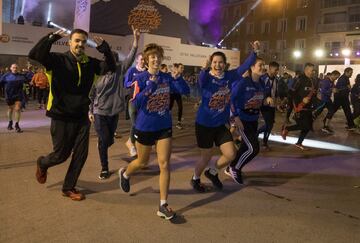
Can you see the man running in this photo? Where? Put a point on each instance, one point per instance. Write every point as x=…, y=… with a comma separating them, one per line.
x=72, y=77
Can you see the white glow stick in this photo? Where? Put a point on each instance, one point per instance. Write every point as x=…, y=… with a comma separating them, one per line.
x=89, y=41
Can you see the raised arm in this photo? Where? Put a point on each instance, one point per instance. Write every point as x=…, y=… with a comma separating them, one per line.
x=41, y=51
x=125, y=65
x=249, y=61
x=109, y=64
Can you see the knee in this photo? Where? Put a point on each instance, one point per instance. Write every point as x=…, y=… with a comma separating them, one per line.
x=62, y=157
x=230, y=155
x=164, y=165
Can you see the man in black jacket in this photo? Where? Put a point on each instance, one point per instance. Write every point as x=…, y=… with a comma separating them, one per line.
x=341, y=99
x=72, y=74
x=303, y=99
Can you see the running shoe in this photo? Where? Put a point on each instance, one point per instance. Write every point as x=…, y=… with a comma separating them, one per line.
x=196, y=184
x=234, y=174
x=284, y=132
x=17, y=128
x=300, y=146
x=350, y=128
x=266, y=147
x=165, y=212
x=327, y=130
x=179, y=126
x=214, y=179
x=105, y=174
x=10, y=125
x=123, y=182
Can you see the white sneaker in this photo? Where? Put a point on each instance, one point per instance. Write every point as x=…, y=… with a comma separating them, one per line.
x=133, y=151
x=131, y=148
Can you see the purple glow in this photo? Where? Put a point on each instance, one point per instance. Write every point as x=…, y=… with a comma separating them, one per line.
x=205, y=11
x=205, y=19
x=30, y=5
x=336, y=54
x=358, y=53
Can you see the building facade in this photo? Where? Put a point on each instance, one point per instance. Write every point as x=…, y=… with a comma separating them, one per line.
x=338, y=29
x=285, y=27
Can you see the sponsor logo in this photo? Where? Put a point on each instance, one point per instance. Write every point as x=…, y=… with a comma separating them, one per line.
x=145, y=16
x=4, y=38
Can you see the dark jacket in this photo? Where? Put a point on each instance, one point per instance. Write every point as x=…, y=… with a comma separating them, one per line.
x=343, y=87
x=70, y=80
x=302, y=88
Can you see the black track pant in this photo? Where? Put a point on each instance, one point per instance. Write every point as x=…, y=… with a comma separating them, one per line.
x=42, y=95
x=344, y=103
x=67, y=138
x=178, y=99
x=105, y=127
x=268, y=114
x=249, y=146
x=304, y=121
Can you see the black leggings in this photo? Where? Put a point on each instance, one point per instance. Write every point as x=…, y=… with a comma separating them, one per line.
x=344, y=103
x=249, y=146
x=268, y=114
x=304, y=123
x=42, y=95
x=178, y=99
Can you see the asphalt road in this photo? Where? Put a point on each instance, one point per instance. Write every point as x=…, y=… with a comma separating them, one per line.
x=290, y=195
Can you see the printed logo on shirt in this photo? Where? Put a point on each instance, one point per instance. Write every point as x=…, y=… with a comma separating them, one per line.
x=159, y=101
x=255, y=102
x=220, y=99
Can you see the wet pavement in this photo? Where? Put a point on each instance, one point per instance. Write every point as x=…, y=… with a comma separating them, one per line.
x=290, y=195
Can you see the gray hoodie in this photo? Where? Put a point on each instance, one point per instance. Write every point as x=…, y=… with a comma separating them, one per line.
x=107, y=93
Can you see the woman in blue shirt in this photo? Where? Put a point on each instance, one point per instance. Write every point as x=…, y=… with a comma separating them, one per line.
x=153, y=124
x=214, y=114
x=247, y=97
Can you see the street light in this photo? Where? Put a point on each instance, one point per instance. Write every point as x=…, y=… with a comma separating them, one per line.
x=319, y=53
x=297, y=54
x=346, y=52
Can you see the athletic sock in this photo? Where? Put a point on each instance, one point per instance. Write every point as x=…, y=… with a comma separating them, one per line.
x=10, y=114
x=17, y=116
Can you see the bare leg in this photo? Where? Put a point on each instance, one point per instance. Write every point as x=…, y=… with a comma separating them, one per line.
x=163, y=150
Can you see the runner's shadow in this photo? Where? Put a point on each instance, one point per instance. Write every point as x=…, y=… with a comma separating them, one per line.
x=270, y=179
x=111, y=184
x=216, y=196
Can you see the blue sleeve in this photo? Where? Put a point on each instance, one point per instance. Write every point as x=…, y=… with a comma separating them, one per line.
x=203, y=78
x=236, y=97
x=129, y=78
x=144, y=90
x=325, y=87
x=237, y=73
x=185, y=89
x=173, y=88
x=2, y=79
